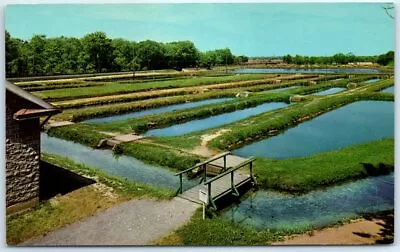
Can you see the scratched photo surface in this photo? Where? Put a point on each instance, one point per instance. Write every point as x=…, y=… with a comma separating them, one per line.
x=224, y=124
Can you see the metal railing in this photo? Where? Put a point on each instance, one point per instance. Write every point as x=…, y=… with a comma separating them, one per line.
x=204, y=167
x=231, y=171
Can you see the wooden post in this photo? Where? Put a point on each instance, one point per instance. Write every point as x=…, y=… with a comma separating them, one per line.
x=181, y=184
x=234, y=190
x=205, y=172
x=209, y=193
x=251, y=169
x=225, y=162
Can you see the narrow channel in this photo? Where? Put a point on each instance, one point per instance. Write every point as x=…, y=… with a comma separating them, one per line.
x=352, y=124
x=121, y=166
x=215, y=121
x=317, y=209
x=157, y=110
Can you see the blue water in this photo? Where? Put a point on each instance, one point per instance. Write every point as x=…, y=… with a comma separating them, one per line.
x=279, y=89
x=157, y=110
x=330, y=91
x=319, y=208
x=298, y=70
x=389, y=90
x=123, y=166
x=215, y=121
x=355, y=123
x=371, y=80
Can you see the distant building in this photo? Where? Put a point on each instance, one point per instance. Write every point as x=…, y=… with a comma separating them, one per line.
x=23, y=112
x=364, y=63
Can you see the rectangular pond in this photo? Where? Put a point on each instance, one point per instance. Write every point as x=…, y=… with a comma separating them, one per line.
x=305, y=70
x=317, y=209
x=215, y=121
x=158, y=110
x=121, y=166
x=352, y=124
x=329, y=91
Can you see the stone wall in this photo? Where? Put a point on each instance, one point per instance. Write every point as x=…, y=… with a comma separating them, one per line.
x=26, y=131
x=22, y=173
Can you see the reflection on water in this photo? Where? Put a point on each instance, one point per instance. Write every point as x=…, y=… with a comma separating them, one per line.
x=299, y=70
x=123, y=166
x=158, y=110
x=355, y=123
x=277, y=211
x=215, y=121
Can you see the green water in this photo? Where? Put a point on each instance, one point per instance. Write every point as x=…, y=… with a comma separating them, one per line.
x=319, y=208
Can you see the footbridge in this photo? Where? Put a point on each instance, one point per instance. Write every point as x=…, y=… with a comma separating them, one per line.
x=221, y=175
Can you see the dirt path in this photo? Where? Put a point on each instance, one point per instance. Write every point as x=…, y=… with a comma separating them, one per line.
x=203, y=150
x=355, y=233
x=137, y=222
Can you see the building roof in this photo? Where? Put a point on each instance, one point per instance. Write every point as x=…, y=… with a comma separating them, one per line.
x=43, y=108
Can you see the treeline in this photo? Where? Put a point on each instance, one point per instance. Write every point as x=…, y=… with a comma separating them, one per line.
x=95, y=53
x=339, y=58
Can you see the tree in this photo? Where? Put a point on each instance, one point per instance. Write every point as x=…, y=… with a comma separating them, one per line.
x=181, y=54
x=98, y=50
x=12, y=53
x=150, y=55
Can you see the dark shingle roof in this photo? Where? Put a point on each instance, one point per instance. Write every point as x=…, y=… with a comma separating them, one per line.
x=44, y=107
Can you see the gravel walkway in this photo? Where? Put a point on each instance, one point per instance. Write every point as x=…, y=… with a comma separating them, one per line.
x=137, y=222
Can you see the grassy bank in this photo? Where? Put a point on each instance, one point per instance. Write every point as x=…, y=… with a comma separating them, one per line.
x=120, y=88
x=147, y=152
x=76, y=205
x=161, y=156
x=234, y=87
x=77, y=115
x=299, y=175
x=217, y=232
x=142, y=124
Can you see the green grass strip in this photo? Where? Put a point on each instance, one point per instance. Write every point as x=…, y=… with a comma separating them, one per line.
x=300, y=175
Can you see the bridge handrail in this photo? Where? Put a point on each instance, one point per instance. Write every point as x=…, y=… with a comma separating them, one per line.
x=203, y=163
x=247, y=161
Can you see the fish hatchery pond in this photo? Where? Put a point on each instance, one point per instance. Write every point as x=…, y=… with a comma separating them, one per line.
x=352, y=124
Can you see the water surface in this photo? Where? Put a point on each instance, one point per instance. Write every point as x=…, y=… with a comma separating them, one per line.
x=371, y=80
x=329, y=91
x=122, y=166
x=389, y=90
x=352, y=124
x=158, y=110
x=215, y=121
x=319, y=208
x=299, y=70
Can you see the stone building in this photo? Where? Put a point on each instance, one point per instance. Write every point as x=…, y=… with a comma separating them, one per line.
x=23, y=112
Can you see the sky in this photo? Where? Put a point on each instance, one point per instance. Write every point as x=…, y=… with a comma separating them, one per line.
x=269, y=29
